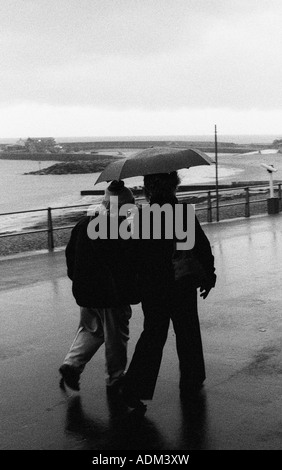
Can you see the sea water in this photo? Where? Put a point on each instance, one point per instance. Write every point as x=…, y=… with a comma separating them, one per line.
x=21, y=192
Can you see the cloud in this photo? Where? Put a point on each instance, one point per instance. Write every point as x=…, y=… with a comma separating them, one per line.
x=128, y=54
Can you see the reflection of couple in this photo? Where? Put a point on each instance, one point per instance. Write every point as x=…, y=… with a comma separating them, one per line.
x=129, y=431
x=121, y=431
x=104, y=273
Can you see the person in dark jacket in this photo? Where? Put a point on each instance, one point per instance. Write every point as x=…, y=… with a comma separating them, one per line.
x=102, y=274
x=168, y=296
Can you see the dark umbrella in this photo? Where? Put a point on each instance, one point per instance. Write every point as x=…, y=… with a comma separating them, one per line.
x=154, y=160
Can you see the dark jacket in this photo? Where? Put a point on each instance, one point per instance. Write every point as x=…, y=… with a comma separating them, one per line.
x=102, y=270
x=156, y=270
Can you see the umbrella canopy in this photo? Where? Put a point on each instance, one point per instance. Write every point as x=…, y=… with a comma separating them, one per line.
x=154, y=160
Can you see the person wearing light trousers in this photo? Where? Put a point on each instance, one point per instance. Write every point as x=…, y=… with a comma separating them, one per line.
x=102, y=273
x=98, y=326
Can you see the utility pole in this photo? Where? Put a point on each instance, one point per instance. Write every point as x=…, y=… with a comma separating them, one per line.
x=216, y=174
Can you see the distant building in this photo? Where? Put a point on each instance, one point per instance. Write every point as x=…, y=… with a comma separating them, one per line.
x=59, y=148
x=19, y=146
x=41, y=144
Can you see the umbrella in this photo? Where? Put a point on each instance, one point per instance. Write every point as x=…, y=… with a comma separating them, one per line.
x=154, y=160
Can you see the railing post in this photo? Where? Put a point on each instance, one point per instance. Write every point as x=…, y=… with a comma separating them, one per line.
x=279, y=195
x=50, y=229
x=247, y=204
x=209, y=207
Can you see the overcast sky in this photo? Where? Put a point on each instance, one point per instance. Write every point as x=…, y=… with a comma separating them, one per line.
x=140, y=67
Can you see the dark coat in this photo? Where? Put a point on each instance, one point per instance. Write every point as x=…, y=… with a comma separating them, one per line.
x=156, y=271
x=102, y=271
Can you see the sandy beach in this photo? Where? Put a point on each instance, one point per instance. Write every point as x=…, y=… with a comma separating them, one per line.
x=249, y=165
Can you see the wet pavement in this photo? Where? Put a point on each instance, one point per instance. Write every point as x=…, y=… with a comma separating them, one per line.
x=241, y=321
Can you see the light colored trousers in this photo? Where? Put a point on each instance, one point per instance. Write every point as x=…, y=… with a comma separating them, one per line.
x=98, y=326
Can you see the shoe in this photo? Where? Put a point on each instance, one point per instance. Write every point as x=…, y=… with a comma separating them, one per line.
x=114, y=390
x=70, y=377
x=131, y=400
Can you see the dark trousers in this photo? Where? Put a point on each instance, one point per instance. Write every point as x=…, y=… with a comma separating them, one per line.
x=180, y=306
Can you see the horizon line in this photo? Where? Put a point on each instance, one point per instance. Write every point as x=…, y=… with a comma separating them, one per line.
x=141, y=136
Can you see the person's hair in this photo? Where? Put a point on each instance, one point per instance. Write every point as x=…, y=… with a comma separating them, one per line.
x=161, y=186
x=117, y=188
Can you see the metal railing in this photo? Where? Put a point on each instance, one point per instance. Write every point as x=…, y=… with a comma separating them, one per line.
x=50, y=228
x=208, y=204
x=247, y=200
